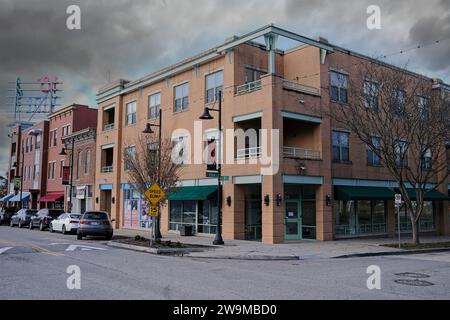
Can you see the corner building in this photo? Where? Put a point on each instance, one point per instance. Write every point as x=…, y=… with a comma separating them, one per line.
x=325, y=187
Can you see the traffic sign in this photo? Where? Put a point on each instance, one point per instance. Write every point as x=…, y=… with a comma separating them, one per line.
x=153, y=211
x=154, y=194
x=398, y=199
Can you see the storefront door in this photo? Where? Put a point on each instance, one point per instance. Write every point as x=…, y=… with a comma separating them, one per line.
x=293, y=220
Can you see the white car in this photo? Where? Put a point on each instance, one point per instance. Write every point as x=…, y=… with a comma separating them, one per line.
x=65, y=223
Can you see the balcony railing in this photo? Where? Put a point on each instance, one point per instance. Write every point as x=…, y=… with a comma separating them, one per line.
x=295, y=86
x=249, y=87
x=300, y=153
x=107, y=169
x=109, y=126
x=248, y=153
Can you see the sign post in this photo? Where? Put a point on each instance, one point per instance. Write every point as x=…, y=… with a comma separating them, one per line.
x=154, y=194
x=398, y=203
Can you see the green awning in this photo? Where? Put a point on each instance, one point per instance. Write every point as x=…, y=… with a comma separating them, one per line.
x=363, y=193
x=192, y=193
x=429, y=196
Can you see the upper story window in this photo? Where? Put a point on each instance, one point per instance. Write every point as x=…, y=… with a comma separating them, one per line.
x=66, y=130
x=401, y=154
x=87, y=164
x=423, y=104
x=214, y=84
x=53, y=138
x=131, y=113
x=341, y=146
x=38, y=142
x=400, y=101
x=181, y=97
x=338, y=87
x=372, y=158
x=51, y=170
x=371, y=91
x=31, y=144
x=131, y=152
x=252, y=74
x=79, y=160
x=26, y=144
x=154, y=105
x=427, y=160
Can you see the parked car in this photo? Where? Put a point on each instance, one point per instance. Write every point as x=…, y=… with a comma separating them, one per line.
x=6, y=214
x=66, y=223
x=44, y=217
x=22, y=218
x=95, y=223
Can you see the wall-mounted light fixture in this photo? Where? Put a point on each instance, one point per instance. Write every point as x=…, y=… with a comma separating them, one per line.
x=267, y=200
x=229, y=201
x=96, y=199
x=279, y=200
x=113, y=200
x=328, y=200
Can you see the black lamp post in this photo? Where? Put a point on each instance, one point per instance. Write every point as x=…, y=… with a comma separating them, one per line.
x=63, y=153
x=148, y=130
x=207, y=116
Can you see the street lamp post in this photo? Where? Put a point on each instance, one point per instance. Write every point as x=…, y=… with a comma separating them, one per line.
x=148, y=130
x=21, y=165
x=207, y=116
x=63, y=153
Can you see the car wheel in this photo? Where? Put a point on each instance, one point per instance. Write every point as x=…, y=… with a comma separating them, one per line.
x=63, y=230
x=41, y=226
x=50, y=228
x=79, y=236
x=20, y=224
x=11, y=224
x=109, y=236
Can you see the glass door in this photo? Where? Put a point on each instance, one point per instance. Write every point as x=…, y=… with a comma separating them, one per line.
x=293, y=220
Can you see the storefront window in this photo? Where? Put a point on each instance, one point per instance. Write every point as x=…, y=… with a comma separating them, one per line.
x=201, y=215
x=345, y=222
x=426, y=222
x=253, y=212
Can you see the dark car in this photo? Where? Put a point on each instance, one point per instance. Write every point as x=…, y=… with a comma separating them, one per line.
x=95, y=223
x=22, y=218
x=44, y=218
x=6, y=214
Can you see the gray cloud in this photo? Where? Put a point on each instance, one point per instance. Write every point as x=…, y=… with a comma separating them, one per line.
x=131, y=38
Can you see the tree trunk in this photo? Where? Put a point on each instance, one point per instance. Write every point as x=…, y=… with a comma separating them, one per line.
x=415, y=231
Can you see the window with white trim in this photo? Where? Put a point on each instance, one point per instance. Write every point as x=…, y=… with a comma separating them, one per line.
x=181, y=101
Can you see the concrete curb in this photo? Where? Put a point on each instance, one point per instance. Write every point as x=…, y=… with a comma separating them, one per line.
x=391, y=253
x=249, y=258
x=175, y=251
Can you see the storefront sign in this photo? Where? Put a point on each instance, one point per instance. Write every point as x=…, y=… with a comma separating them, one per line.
x=81, y=192
x=16, y=182
x=66, y=176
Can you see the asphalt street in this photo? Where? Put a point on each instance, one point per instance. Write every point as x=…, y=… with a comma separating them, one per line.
x=33, y=265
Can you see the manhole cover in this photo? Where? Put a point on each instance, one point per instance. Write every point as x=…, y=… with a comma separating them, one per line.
x=412, y=275
x=414, y=283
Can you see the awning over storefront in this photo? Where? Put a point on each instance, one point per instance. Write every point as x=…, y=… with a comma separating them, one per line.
x=7, y=197
x=363, y=193
x=16, y=198
x=429, y=196
x=192, y=193
x=52, y=197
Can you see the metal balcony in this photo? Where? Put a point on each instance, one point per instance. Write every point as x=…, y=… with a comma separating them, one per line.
x=300, y=153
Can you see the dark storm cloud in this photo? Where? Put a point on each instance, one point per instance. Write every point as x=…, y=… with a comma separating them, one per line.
x=131, y=38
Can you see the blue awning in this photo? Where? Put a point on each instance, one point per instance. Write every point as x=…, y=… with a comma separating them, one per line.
x=16, y=198
x=7, y=197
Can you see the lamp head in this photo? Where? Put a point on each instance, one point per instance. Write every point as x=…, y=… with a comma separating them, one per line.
x=206, y=115
x=148, y=129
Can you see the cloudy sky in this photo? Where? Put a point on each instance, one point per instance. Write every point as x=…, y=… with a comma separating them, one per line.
x=131, y=38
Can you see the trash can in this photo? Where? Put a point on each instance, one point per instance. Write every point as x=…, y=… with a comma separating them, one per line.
x=186, y=231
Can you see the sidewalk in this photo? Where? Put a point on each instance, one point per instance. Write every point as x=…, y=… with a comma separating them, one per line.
x=307, y=249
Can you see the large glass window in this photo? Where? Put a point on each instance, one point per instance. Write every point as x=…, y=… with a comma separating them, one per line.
x=131, y=208
x=181, y=97
x=360, y=217
x=201, y=215
x=338, y=87
x=371, y=89
x=252, y=74
x=426, y=222
x=401, y=154
x=341, y=146
x=214, y=84
x=253, y=212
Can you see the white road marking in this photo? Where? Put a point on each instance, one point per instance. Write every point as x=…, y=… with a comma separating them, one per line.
x=74, y=247
x=5, y=249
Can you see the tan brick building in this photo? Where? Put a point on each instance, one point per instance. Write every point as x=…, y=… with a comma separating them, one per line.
x=310, y=196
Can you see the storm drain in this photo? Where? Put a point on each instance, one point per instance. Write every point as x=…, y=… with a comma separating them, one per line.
x=413, y=275
x=414, y=283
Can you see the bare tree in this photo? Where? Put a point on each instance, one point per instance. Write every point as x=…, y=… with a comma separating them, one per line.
x=404, y=120
x=146, y=164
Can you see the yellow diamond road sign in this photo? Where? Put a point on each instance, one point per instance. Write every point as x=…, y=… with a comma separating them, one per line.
x=153, y=211
x=154, y=194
